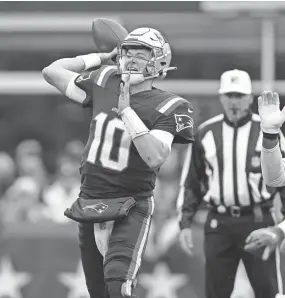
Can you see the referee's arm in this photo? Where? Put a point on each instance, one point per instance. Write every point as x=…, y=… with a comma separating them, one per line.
x=193, y=186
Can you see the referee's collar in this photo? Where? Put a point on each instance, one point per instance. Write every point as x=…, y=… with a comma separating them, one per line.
x=240, y=122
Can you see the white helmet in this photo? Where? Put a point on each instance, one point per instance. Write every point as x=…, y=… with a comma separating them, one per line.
x=152, y=39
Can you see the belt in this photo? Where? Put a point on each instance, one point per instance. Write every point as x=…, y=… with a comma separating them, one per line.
x=238, y=211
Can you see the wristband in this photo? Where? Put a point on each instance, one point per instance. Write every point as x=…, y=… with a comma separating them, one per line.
x=91, y=60
x=133, y=123
x=270, y=136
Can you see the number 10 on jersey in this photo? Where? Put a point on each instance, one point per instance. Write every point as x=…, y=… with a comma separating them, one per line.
x=106, y=139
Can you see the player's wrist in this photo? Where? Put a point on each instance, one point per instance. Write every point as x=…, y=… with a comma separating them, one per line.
x=125, y=110
x=91, y=60
x=133, y=123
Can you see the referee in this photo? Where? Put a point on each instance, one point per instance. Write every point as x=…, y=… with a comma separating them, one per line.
x=223, y=168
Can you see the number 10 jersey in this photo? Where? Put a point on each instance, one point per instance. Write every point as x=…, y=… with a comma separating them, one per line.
x=111, y=165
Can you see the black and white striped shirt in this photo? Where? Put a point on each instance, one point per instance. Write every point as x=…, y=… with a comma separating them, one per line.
x=223, y=166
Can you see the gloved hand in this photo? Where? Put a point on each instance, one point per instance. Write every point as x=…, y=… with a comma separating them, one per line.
x=269, y=111
x=266, y=238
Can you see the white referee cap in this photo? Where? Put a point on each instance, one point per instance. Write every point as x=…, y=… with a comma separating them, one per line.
x=235, y=81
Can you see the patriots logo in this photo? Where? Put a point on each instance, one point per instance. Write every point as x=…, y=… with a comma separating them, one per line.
x=183, y=121
x=84, y=77
x=100, y=207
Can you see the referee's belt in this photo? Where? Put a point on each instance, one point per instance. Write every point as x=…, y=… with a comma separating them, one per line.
x=238, y=211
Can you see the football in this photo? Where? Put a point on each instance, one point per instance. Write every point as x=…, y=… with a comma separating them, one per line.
x=107, y=34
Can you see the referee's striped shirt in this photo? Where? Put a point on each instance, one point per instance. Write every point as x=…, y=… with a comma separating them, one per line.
x=223, y=166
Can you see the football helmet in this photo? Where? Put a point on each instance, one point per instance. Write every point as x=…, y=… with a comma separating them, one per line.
x=153, y=40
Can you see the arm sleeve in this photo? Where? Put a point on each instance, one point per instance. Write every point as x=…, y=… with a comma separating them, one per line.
x=282, y=144
x=193, y=184
x=273, y=166
x=281, y=191
x=178, y=122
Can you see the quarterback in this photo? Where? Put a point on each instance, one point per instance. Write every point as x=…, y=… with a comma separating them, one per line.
x=273, y=170
x=131, y=133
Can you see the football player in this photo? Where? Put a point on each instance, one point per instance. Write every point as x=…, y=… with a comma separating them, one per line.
x=273, y=170
x=131, y=133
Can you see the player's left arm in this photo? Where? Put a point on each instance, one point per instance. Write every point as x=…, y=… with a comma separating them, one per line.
x=272, y=119
x=173, y=126
x=264, y=241
x=153, y=145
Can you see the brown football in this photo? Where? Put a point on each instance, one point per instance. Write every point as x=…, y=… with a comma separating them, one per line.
x=107, y=34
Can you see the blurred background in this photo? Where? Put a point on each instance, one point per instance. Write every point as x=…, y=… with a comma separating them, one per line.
x=43, y=134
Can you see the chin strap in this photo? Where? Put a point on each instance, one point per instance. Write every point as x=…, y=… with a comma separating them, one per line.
x=162, y=74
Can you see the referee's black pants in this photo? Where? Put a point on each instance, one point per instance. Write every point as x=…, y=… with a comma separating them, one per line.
x=224, y=241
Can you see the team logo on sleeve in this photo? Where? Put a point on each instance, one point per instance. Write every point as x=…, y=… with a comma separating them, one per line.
x=183, y=121
x=84, y=77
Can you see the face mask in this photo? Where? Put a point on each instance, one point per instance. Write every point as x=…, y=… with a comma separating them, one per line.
x=135, y=77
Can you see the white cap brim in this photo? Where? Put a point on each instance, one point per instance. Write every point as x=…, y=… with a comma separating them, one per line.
x=234, y=89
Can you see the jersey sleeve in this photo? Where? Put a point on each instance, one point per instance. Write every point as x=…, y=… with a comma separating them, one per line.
x=85, y=82
x=178, y=120
x=98, y=76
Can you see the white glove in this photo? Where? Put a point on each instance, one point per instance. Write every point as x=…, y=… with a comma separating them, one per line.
x=269, y=111
x=186, y=241
x=266, y=239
